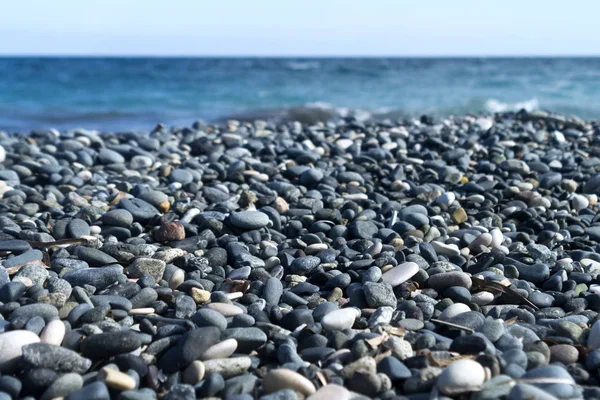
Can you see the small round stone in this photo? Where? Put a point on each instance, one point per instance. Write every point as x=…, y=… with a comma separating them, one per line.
x=461, y=376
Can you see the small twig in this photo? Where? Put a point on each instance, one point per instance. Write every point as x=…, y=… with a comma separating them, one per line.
x=485, y=285
x=58, y=243
x=450, y=324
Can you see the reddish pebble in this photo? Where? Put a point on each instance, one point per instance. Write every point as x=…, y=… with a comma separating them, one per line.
x=170, y=231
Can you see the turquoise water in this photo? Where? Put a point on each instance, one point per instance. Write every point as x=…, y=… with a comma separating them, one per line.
x=136, y=93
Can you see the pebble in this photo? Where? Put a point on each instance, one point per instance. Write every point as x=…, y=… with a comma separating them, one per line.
x=56, y=358
x=147, y=266
x=453, y=310
x=400, y=274
x=118, y=217
x=194, y=373
x=268, y=258
x=226, y=310
x=445, y=280
x=116, y=380
x=220, y=350
x=11, y=347
x=110, y=344
x=461, y=376
x=338, y=320
x=63, y=386
x=331, y=391
x=282, y=378
x=53, y=333
x=249, y=220
x=228, y=367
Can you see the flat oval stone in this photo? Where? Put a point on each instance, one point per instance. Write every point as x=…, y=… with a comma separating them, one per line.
x=117, y=217
x=140, y=210
x=14, y=245
x=108, y=344
x=249, y=220
x=100, y=278
x=108, y=156
x=400, y=274
x=220, y=350
x=182, y=176
x=282, y=378
x=444, y=280
x=94, y=257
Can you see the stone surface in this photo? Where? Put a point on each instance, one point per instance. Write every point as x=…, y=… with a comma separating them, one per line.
x=11, y=347
x=280, y=379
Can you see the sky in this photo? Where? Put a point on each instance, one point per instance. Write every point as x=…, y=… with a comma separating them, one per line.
x=300, y=27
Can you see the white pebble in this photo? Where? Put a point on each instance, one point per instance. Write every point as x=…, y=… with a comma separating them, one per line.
x=54, y=332
x=400, y=274
x=453, y=310
x=497, y=237
x=339, y=319
x=482, y=298
x=460, y=377
x=11, y=347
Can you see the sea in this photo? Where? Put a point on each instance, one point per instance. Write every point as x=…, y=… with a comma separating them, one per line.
x=123, y=94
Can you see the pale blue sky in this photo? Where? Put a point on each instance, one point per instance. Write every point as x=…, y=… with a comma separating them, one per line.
x=299, y=27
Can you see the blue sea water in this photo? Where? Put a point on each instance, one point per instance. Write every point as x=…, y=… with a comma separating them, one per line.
x=136, y=93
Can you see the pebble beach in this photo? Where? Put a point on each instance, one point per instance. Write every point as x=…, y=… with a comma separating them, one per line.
x=428, y=258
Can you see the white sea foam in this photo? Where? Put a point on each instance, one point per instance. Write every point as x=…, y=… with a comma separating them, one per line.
x=303, y=65
x=496, y=106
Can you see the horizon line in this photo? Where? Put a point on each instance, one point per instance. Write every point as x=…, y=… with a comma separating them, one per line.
x=289, y=56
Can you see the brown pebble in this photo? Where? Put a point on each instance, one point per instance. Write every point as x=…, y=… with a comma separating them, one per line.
x=564, y=353
x=164, y=206
x=170, y=231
